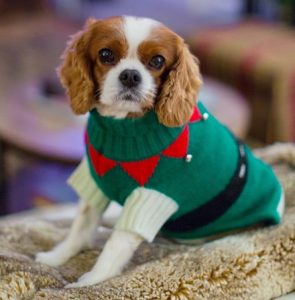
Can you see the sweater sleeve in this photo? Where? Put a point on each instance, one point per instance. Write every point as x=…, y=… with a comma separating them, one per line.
x=84, y=185
x=145, y=211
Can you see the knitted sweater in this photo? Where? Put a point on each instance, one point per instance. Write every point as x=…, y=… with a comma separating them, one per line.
x=206, y=181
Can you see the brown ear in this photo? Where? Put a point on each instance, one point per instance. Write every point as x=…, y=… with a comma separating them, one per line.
x=75, y=72
x=179, y=91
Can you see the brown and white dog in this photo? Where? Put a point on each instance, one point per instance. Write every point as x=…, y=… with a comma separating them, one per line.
x=122, y=67
x=96, y=63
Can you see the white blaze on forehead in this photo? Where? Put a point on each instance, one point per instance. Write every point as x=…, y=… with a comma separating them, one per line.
x=112, y=103
x=136, y=31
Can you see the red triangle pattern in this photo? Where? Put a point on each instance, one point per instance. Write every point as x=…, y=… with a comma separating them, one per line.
x=196, y=115
x=178, y=148
x=100, y=163
x=141, y=170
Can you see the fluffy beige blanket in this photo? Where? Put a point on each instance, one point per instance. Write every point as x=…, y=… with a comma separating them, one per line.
x=257, y=264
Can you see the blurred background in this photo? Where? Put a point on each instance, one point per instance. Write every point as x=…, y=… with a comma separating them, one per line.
x=247, y=56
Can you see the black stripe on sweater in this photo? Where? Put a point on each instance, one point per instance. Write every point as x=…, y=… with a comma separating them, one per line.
x=216, y=207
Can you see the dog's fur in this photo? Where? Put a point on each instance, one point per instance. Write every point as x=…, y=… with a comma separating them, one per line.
x=134, y=41
x=171, y=90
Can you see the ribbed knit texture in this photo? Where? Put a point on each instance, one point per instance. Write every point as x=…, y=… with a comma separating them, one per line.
x=191, y=183
x=145, y=212
x=129, y=139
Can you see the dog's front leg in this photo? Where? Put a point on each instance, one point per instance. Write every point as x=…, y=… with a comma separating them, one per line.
x=79, y=237
x=93, y=203
x=115, y=255
x=144, y=213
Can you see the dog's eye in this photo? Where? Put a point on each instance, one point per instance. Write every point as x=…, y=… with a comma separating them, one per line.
x=106, y=56
x=157, y=62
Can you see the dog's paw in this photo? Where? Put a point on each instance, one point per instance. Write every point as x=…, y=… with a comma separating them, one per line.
x=75, y=285
x=87, y=279
x=51, y=258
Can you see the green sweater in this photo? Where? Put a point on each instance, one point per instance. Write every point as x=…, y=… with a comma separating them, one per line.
x=216, y=181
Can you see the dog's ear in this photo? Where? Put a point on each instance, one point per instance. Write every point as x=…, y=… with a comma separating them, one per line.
x=178, y=95
x=75, y=71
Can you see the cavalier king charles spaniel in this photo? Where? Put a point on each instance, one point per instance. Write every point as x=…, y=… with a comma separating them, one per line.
x=151, y=147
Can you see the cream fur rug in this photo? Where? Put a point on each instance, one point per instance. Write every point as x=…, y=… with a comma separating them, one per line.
x=258, y=264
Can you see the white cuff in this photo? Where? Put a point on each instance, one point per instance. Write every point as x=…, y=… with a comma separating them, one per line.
x=84, y=185
x=145, y=211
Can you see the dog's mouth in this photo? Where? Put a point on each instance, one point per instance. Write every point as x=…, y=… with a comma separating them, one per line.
x=130, y=95
x=131, y=102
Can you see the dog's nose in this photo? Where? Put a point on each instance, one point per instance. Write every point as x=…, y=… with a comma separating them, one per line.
x=130, y=78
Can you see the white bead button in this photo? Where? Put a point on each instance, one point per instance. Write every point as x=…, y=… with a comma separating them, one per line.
x=205, y=116
x=188, y=158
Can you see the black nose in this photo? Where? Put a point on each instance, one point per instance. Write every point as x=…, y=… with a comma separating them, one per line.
x=130, y=78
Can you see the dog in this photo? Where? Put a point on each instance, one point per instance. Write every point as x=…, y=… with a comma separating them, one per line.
x=152, y=147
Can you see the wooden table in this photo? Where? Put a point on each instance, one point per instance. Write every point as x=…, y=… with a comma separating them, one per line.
x=42, y=128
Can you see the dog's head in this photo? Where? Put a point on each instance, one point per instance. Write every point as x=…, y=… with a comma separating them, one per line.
x=125, y=66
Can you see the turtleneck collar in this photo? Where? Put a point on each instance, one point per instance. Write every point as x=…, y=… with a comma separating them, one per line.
x=129, y=139
x=133, y=139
